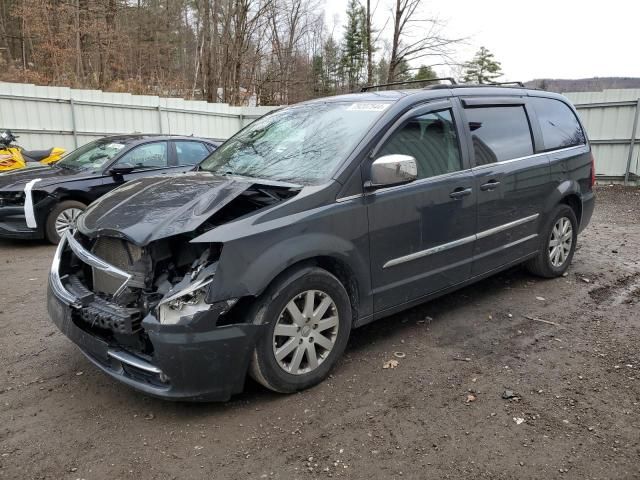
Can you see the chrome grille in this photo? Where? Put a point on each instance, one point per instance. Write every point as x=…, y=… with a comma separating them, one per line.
x=120, y=254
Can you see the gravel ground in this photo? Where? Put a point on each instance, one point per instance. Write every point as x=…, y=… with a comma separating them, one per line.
x=567, y=351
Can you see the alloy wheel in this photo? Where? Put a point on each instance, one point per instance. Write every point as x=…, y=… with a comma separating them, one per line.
x=66, y=220
x=560, y=242
x=305, y=332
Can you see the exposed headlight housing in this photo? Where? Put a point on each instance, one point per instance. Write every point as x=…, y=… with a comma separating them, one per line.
x=184, y=303
x=12, y=199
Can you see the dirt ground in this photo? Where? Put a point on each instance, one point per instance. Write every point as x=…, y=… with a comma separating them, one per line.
x=568, y=350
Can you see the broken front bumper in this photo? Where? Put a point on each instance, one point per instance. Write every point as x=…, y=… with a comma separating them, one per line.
x=13, y=224
x=189, y=361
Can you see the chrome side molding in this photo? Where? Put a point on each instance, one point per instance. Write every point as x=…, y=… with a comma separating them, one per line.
x=463, y=241
x=506, y=226
x=429, y=251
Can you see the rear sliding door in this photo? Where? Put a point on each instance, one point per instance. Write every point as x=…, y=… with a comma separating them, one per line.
x=512, y=180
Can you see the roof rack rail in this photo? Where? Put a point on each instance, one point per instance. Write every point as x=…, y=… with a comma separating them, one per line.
x=408, y=82
x=519, y=84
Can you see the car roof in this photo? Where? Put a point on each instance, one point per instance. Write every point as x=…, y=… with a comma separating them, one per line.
x=433, y=92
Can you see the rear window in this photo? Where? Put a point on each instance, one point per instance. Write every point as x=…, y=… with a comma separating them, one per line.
x=559, y=125
x=499, y=133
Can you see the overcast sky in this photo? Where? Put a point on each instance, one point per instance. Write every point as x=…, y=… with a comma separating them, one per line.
x=535, y=39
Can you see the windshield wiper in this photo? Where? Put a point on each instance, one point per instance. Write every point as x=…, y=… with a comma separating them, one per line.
x=229, y=173
x=64, y=167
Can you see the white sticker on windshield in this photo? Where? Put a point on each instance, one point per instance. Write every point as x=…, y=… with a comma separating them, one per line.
x=368, y=107
x=115, y=146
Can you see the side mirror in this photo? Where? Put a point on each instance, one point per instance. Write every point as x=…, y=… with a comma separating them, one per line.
x=392, y=170
x=122, y=169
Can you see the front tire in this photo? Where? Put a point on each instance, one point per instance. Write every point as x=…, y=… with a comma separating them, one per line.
x=558, y=242
x=61, y=218
x=308, y=318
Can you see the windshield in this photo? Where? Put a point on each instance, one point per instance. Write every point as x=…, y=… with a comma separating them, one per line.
x=300, y=144
x=92, y=155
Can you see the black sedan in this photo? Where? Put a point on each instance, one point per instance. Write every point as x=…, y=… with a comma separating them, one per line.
x=44, y=202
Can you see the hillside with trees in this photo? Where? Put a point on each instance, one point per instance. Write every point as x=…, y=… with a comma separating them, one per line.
x=595, y=84
x=273, y=51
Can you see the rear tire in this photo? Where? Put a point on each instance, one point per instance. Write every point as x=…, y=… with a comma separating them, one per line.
x=61, y=213
x=299, y=349
x=558, y=241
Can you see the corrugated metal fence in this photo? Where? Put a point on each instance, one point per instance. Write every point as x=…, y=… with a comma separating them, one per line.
x=58, y=116
x=611, y=120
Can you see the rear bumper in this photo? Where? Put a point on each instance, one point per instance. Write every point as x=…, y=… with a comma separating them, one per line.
x=195, y=361
x=588, y=205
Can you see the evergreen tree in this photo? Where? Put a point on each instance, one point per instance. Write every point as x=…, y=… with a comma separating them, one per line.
x=354, y=45
x=425, y=73
x=331, y=63
x=317, y=73
x=403, y=71
x=483, y=68
x=381, y=71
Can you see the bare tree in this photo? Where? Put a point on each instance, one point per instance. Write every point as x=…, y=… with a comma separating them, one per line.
x=275, y=51
x=369, y=43
x=293, y=23
x=417, y=38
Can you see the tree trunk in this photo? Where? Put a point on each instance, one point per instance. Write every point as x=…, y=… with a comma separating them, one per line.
x=5, y=39
x=79, y=70
x=369, y=46
x=23, y=46
x=206, y=42
x=212, y=61
x=393, y=63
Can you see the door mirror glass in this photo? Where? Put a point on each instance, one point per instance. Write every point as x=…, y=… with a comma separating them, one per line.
x=122, y=169
x=392, y=170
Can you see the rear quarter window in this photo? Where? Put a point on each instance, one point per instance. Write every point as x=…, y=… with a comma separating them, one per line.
x=190, y=152
x=559, y=125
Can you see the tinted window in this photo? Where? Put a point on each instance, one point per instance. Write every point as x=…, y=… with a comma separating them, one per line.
x=499, y=133
x=432, y=140
x=559, y=125
x=151, y=155
x=190, y=153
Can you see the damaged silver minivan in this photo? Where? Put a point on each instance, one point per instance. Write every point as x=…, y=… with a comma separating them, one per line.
x=314, y=220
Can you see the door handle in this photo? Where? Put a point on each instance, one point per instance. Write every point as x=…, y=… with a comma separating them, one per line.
x=460, y=192
x=491, y=185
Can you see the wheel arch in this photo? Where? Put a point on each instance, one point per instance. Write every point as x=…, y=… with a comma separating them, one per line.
x=567, y=193
x=336, y=267
x=57, y=200
x=73, y=195
x=573, y=201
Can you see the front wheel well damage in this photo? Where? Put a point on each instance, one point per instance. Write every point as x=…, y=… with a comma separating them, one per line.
x=242, y=310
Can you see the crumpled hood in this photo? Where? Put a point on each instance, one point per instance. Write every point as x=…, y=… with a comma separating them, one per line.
x=17, y=179
x=151, y=208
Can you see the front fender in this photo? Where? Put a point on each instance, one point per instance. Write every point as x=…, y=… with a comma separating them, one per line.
x=249, y=263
